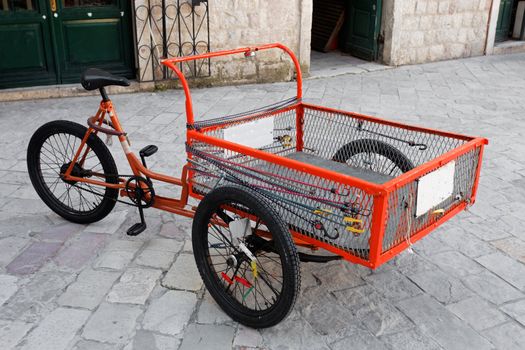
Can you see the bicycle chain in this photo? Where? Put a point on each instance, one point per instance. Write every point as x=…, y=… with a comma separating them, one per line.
x=133, y=204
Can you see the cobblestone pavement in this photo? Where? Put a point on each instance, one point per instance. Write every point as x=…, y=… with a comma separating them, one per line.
x=68, y=286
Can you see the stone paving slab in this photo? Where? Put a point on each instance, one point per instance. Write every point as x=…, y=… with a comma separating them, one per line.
x=492, y=288
x=80, y=251
x=145, y=340
x=441, y=325
x=506, y=268
x=376, y=313
x=478, y=313
x=57, y=330
x=11, y=332
x=446, y=289
x=411, y=339
x=118, y=254
x=32, y=258
x=10, y=247
x=112, y=323
x=218, y=337
x=8, y=287
x=36, y=298
x=210, y=312
x=89, y=289
x=183, y=274
x=516, y=310
x=170, y=313
x=507, y=336
x=134, y=286
x=69, y=286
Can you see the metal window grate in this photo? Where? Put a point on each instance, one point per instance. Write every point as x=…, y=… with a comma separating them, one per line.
x=172, y=28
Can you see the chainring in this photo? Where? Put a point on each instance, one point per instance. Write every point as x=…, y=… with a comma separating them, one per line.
x=140, y=191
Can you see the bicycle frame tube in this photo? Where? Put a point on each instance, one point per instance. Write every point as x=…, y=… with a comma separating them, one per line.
x=138, y=169
x=172, y=64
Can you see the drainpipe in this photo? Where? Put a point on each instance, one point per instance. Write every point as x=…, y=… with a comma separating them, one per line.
x=488, y=26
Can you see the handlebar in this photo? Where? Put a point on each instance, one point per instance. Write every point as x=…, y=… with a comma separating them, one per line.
x=172, y=64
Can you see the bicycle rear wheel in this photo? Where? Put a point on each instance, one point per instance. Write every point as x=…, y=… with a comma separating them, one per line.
x=374, y=155
x=49, y=154
x=254, y=277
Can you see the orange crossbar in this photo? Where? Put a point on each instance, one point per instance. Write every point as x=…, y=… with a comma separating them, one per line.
x=172, y=64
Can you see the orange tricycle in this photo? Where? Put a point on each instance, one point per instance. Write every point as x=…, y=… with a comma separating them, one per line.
x=277, y=185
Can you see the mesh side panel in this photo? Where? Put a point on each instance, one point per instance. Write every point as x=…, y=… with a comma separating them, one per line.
x=402, y=222
x=310, y=205
x=324, y=209
x=326, y=132
x=283, y=132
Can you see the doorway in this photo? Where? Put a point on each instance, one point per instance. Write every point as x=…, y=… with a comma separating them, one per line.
x=350, y=26
x=506, y=14
x=345, y=36
x=45, y=42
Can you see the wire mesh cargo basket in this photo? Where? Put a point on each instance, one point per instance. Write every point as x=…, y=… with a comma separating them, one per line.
x=358, y=186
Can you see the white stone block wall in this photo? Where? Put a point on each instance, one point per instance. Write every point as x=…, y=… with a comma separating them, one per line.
x=239, y=23
x=418, y=31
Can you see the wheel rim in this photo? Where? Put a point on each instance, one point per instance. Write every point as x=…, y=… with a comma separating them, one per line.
x=252, y=291
x=56, y=153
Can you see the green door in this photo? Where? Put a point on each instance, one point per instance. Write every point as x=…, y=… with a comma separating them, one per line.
x=26, y=55
x=93, y=33
x=504, y=20
x=52, y=41
x=361, y=28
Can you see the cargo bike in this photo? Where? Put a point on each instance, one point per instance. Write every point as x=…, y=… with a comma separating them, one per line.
x=275, y=185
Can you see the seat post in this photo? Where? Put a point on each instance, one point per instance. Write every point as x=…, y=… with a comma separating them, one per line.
x=103, y=93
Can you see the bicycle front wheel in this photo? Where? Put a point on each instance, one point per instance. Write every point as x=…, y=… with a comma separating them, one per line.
x=49, y=154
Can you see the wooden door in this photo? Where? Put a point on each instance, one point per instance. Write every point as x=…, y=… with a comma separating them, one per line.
x=93, y=33
x=361, y=28
x=26, y=55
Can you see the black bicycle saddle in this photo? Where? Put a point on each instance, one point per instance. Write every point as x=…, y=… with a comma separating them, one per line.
x=94, y=78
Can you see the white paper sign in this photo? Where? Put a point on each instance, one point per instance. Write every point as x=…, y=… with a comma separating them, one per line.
x=255, y=134
x=434, y=188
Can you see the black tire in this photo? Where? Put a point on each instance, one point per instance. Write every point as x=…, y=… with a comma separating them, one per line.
x=281, y=245
x=54, y=145
x=392, y=161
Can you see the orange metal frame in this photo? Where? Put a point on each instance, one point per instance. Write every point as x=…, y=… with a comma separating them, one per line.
x=379, y=192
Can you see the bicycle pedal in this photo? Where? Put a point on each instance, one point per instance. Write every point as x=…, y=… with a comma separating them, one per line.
x=148, y=151
x=136, y=229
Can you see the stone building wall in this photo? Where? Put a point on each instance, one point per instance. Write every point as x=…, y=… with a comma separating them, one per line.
x=238, y=23
x=418, y=31
x=232, y=24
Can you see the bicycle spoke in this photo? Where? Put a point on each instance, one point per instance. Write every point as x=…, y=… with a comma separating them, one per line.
x=58, y=150
x=253, y=290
